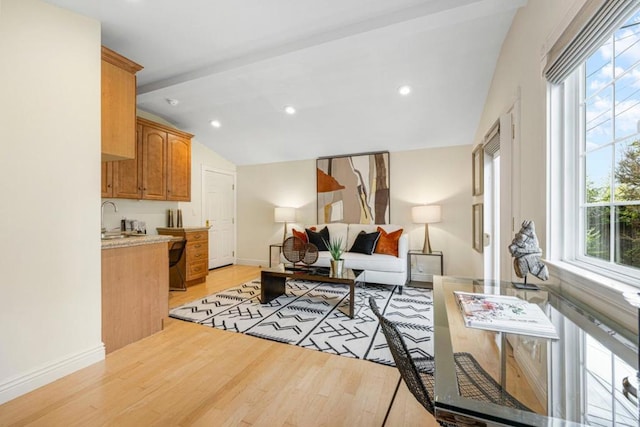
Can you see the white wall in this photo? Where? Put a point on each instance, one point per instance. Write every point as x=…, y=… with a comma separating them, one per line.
x=154, y=212
x=50, y=321
x=518, y=75
x=439, y=175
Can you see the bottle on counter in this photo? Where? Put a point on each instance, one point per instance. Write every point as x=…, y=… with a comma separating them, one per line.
x=170, y=218
x=179, y=220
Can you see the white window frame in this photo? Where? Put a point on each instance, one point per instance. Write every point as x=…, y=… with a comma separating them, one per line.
x=566, y=185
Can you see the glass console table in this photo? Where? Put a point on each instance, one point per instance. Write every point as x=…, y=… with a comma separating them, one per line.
x=574, y=380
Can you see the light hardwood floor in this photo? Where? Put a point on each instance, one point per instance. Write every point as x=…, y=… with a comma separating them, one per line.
x=193, y=375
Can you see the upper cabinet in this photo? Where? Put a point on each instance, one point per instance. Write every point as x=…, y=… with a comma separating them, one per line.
x=161, y=169
x=118, y=106
x=178, y=167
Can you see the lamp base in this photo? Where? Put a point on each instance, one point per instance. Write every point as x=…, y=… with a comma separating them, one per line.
x=426, y=249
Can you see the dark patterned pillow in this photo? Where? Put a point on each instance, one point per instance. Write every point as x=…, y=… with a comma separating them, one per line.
x=319, y=238
x=365, y=243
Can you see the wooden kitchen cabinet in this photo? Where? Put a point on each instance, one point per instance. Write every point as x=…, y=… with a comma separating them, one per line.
x=161, y=169
x=118, y=81
x=154, y=162
x=107, y=179
x=135, y=289
x=178, y=168
x=126, y=174
x=194, y=264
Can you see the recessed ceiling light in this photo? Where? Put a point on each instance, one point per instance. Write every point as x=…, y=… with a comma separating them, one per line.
x=289, y=109
x=404, y=90
x=215, y=123
x=172, y=102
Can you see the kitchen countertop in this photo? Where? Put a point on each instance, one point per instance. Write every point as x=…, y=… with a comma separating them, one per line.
x=144, y=239
x=182, y=229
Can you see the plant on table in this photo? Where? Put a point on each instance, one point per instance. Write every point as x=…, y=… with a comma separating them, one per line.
x=335, y=248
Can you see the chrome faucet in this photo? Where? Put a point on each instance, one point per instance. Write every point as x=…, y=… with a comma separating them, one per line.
x=115, y=208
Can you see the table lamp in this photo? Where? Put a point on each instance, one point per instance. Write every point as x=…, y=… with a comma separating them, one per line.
x=426, y=214
x=284, y=215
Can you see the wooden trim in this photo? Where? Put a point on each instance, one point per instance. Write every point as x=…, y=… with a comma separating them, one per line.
x=120, y=61
x=165, y=128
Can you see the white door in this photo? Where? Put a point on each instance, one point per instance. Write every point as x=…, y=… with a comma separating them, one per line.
x=501, y=198
x=219, y=213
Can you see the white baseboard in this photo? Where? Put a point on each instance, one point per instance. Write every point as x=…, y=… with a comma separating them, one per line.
x=256, y=262
x=17, y=386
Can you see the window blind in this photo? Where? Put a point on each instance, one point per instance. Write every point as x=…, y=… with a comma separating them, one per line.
x=593, y=24
x=492, y=140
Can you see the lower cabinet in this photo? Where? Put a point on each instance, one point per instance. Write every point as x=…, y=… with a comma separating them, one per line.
x=135, y=289
x=194, y=264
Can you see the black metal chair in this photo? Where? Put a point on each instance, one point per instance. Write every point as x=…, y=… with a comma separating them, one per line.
x=175, y=254
x=418, y=372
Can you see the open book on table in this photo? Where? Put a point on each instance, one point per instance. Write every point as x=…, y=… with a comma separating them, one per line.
x=504, y=313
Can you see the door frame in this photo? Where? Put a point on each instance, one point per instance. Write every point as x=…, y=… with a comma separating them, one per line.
x=233, y=174
x=510, y=188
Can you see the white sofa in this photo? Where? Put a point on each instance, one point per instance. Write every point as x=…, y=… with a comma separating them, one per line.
x=378, y=268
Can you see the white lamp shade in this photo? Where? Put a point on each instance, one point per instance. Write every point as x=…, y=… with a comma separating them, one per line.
x=284, y=214
x=426, y=214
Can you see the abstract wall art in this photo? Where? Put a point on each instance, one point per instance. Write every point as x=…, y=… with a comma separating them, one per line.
x=354, y=188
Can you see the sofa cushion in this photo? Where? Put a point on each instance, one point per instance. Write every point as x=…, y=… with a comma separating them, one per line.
x=388, y=242
x=355, y=229
x=319, y=238
x=337, y=230
x=365, y=243
x=302, y=234
x=356, y=261
x=375, y=262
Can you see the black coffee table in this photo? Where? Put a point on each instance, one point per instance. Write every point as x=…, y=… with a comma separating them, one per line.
x=272, y=281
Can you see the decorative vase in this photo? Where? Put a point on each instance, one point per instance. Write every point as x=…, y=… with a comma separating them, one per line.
x=337, y=266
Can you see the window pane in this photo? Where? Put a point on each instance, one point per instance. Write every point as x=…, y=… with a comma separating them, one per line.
x=599, y=69
x=598, y=176
x=627, y=109
x=598, y=118
x=597, y=232
x=627, y=174
x=628, y=235
x=627, y=46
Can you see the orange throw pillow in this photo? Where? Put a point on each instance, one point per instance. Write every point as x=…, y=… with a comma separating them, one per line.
x=301, y=234
x=388, y=242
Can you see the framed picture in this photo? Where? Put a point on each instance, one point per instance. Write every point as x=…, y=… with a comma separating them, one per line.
x=353, y=188
x=478, y=228
x=478, y=170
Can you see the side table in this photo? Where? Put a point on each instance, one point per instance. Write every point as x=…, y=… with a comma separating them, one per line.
x=420, y=253
x=274, y=245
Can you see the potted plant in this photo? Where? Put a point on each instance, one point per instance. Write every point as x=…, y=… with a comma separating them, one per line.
x=336, y=250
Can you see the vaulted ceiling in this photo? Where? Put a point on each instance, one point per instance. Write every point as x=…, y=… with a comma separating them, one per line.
x=339, y=63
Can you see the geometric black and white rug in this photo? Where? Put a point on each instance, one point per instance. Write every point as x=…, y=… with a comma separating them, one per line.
x=313, y=315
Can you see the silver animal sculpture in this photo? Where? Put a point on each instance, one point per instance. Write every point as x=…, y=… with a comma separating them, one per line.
x=526, y=252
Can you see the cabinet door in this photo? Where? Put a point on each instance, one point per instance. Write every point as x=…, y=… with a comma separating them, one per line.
x=118, y=85
x=178, y=168
x=107, y=187
x=154, y=163
x=126, y=174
